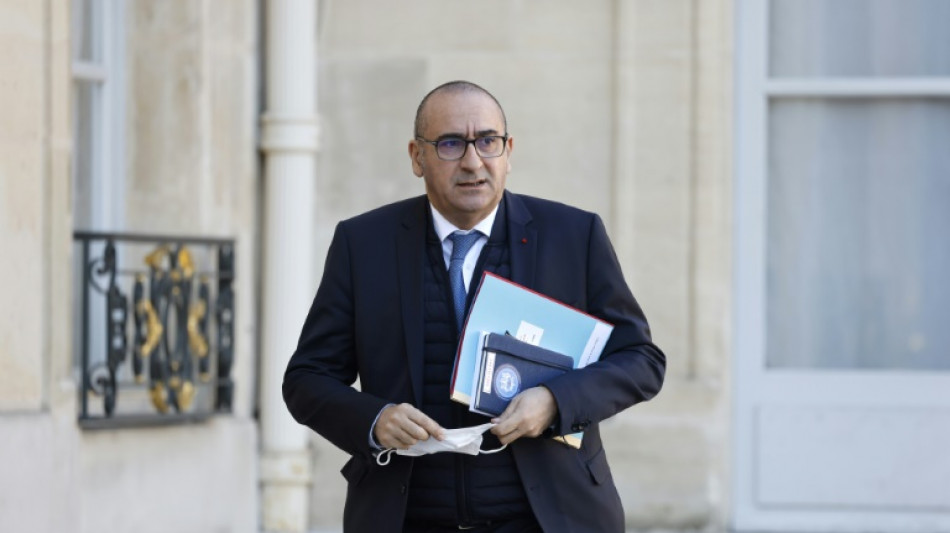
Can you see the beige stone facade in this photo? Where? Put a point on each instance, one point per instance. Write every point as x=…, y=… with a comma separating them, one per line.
x=191, y=73
x=622, y=107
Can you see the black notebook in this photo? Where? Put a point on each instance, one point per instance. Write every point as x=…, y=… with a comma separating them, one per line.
x=509, y=366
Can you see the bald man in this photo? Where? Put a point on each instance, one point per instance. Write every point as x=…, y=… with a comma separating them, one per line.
x=388, y=312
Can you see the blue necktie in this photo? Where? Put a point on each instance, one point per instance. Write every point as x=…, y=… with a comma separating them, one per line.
x=461, y=244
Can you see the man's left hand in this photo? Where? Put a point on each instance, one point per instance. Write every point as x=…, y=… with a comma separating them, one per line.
x=528, y=415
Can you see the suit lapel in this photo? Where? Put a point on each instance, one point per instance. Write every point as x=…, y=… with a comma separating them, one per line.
x=522, y=241
x=410, y=253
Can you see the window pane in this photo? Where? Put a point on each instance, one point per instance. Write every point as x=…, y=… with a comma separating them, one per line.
x=85, y=157
x=858, y=250
x=859, y=38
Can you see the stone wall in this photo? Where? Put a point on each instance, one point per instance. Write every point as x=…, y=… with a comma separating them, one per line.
x=32, y=139
x=37, y=444
x=191, y=92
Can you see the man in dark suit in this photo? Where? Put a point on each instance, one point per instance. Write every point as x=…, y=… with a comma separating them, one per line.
x=385, y=313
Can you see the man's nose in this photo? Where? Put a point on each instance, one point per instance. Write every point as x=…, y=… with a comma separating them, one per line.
x=470, y=159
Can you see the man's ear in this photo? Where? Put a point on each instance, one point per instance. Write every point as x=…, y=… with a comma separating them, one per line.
x=511, y=145
x=415, y=155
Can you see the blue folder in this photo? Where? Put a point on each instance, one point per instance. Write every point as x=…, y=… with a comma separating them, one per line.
x=501, y=306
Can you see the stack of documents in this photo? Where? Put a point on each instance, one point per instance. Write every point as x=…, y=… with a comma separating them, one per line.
x=484, y=377
x=509, y=366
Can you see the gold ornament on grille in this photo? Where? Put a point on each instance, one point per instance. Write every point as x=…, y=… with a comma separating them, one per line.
x=159, y=396
x=153, y=326
x=196, y=341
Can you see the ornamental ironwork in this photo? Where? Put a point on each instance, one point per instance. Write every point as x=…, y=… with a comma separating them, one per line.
x=157, y=328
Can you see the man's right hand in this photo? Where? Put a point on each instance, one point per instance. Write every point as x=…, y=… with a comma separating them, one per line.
x=401, y=426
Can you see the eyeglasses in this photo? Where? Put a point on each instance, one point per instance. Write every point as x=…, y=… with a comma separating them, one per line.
x=453, y=148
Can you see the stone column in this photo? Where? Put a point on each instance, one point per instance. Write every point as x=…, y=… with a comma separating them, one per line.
x=289, y=141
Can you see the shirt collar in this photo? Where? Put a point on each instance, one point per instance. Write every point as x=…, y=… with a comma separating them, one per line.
x=444, y=228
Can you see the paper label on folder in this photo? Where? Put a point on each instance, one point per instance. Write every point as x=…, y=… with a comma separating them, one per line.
x=595, y=344
x=489, y=372
x=529, y=333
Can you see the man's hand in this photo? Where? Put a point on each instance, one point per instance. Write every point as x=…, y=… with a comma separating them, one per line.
x=528, y=415
x=401, y=426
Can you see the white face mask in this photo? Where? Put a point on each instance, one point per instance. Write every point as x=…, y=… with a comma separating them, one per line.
x=463, y=440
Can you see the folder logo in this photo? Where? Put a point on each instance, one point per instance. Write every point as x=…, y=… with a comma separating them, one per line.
x=507, y=381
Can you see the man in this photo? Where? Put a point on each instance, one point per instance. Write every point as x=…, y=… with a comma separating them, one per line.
x=385, y=313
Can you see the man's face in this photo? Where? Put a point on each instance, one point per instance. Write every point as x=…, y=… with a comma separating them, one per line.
x=466, y=190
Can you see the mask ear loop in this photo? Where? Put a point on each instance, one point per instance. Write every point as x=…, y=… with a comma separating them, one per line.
x=496, y=450
x=385, y=454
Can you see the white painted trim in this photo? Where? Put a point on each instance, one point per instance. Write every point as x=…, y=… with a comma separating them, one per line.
x=858, y=87
x=870, y=388
x=749, y=238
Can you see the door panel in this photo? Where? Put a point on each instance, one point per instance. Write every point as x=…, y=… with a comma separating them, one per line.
x=852, y=457
x=842, y=267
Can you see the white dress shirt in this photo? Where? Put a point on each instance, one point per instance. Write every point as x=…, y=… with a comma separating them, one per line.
x=444, y=228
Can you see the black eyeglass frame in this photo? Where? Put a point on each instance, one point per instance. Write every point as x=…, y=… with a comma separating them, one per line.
x=504, y=142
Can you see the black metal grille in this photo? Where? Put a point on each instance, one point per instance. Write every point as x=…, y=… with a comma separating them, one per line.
x=156, y=341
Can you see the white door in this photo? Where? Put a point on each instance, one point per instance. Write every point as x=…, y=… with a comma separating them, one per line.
x=842, y=328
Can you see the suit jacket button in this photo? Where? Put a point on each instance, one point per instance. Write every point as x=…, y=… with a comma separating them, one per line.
x=402, y=489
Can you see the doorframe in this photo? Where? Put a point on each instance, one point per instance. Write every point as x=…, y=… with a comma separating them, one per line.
x=754, y=386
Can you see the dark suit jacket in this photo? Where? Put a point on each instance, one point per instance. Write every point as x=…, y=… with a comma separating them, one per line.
x=366, y=322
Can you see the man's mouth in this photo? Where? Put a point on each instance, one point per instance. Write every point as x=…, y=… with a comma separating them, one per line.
x=472, y=184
